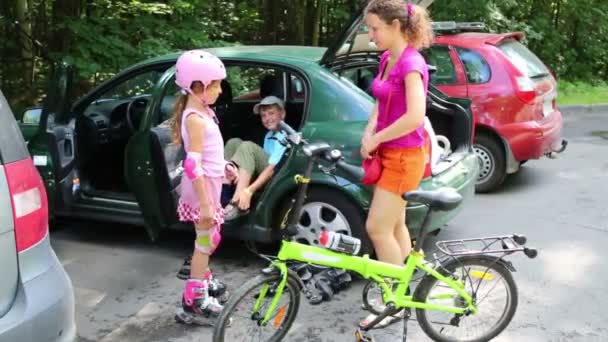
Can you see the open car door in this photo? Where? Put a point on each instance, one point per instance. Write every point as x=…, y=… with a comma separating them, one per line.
x=153, y=162
x=51, y=140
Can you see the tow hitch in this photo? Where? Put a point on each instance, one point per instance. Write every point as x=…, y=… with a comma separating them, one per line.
x=560, y=149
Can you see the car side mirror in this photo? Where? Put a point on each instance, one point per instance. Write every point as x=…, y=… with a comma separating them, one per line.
x=432, y=69
x=31, y=116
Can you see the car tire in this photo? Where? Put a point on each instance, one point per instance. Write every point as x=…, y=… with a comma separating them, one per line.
x=336, y=210
x=492, y=163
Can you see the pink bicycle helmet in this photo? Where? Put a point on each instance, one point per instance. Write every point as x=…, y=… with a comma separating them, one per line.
x=198, y=65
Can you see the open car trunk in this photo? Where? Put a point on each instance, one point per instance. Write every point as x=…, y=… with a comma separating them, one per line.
x=449, y=119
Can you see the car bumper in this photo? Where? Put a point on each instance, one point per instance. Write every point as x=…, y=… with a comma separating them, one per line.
x=461, y=176
x=43, y=309
x=534, y=139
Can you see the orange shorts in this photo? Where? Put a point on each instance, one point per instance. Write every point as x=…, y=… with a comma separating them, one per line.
x=402, y=169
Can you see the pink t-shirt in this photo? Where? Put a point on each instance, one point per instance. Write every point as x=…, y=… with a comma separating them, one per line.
x=212, y=157
x=410, y=60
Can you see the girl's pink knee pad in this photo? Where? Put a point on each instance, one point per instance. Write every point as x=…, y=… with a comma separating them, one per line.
x=216, y=237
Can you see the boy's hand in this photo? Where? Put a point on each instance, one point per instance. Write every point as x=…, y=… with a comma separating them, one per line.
x=244, y=199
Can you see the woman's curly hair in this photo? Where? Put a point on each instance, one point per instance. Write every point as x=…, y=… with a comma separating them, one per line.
x=416, y=25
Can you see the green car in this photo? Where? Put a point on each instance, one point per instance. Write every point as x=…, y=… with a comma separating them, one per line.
x=109, y=154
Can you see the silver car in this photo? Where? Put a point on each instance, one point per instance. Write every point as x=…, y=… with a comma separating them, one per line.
x=36, y=295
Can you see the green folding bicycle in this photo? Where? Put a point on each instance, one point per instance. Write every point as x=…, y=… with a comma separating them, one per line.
x=454, y=300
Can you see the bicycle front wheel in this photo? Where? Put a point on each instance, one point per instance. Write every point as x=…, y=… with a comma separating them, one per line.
x=494, y=293
x=240, y=322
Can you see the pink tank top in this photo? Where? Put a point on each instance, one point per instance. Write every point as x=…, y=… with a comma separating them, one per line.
x=212, y=156
x=394, y=88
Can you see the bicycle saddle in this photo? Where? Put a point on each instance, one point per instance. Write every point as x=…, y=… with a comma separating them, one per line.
x=443, y=199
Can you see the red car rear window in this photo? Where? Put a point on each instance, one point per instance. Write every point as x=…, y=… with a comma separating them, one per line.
x=524, y=59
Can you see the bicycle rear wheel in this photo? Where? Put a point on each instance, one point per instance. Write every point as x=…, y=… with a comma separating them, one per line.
x=238, y=322
x=494, y=292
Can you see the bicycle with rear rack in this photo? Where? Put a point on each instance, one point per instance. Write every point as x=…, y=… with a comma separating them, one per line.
x=453, y=300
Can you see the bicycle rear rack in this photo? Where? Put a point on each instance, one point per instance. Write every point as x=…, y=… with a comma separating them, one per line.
x=507, y=244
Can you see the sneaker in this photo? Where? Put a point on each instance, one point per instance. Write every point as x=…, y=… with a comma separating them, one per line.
x=198, y=307
x=232, y=212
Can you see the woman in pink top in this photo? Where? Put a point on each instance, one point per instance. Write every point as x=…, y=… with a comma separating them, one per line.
x=395, y=128
x=199, y=73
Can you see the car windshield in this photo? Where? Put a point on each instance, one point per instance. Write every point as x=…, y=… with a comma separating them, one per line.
x=524, y=59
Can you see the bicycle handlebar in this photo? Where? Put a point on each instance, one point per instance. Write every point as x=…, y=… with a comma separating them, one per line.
x=295, y=139
x=284, y=126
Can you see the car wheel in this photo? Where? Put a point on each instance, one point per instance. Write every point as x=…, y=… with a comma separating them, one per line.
x=492, y=163
x=328, y=209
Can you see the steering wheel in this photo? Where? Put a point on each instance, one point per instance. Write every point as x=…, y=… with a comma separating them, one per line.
x=139, y=103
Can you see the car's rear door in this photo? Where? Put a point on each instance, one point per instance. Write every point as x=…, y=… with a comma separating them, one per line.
x=11, y=149
x=449, y=76
x=51, y=140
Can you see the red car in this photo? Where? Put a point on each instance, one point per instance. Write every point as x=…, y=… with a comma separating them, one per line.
x=513, y=99
x=513, y=93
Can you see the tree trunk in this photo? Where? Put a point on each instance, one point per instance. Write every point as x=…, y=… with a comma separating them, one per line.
x=299, y=11
x=271, y=21
x=23, y=16
x=316, y=23
x=556, y=15
x=63, y=10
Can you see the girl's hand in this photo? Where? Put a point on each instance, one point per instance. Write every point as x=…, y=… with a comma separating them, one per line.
x=231, y=173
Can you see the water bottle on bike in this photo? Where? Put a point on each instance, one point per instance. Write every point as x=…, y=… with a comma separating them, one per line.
x=339, y=242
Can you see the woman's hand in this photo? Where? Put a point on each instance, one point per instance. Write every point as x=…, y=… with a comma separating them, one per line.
x=366, y=135
x=369, y=144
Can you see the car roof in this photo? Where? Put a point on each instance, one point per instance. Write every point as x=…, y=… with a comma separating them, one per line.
x=261, y=53
x=477, y=39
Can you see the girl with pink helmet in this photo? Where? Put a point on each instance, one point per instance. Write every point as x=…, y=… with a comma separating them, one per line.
x=199, y=73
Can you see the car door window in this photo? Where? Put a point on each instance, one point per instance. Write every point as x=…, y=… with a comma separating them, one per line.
x=362, y=77
x=137, y=85
x=439, y=56
x=297, y=89
x=476, y=67
x=250, y=83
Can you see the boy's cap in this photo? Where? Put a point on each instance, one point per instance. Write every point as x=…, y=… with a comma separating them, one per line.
x=267, y=101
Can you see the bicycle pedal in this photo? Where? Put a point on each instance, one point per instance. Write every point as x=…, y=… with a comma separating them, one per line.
x=363, y=336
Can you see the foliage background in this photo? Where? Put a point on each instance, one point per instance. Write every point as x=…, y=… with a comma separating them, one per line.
x=100, y=37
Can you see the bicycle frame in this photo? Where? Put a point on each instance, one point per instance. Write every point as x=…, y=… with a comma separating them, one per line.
x=366, y=267
x=369, y=269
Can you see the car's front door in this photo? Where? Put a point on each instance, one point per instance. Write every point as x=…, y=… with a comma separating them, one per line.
x=152, y=161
